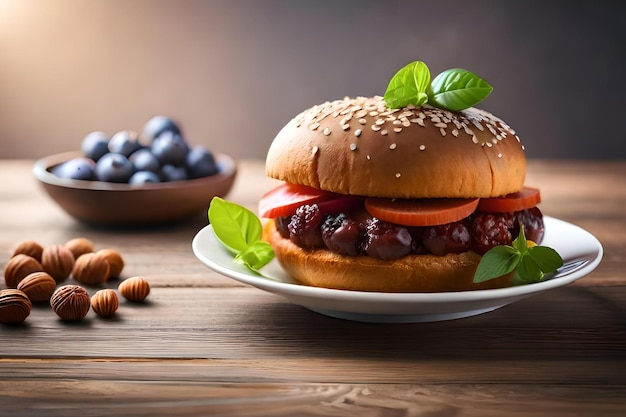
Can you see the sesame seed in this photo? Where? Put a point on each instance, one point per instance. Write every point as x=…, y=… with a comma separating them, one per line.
x=373, y=113
x=358, y=132
x=380, y=122
x=315, y=150
x=474, y=139
x=368, y=157
x=435, y=119
x=442, y=131
x=375, y=128
x=455, y=133
x=398, y=175
x=345, y=126
x=362, y=121
x=327, y=131
x=397, y=129
x=421, y=122
x=353, y=146
x=478, y=125
x=441, y=125
x=393, y=146
x=499, y=155
x=384, y=132
x=422, y=147
x=314, y=126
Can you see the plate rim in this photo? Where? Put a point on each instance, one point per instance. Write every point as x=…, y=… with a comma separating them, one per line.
x=300, y=290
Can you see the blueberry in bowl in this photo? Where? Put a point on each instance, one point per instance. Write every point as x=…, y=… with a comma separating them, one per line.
x=132, y=185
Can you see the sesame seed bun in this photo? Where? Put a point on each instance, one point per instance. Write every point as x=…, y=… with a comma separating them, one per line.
x=413, y=273
x=360, y=147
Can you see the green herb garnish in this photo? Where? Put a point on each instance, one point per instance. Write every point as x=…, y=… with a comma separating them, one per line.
x=454, y=89
x=408, y=86
x=239, y=229
x=531, y=263
x=457, y=89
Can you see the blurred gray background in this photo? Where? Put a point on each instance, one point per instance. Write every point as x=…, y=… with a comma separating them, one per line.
x=233, y=72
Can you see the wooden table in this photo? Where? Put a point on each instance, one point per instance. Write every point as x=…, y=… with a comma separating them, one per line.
x=206, y=345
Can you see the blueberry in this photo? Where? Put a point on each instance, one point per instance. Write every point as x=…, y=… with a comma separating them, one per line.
x=144, y=160
x=143, y=177
x=114, y=167
x=173, y=173
x=76, y=169
x=170, y=148
x=125, y=142
x=95, y=144
x=200, y=162
x=158, y=125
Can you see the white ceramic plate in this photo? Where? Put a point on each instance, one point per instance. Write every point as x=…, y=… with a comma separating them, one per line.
x=581, y=251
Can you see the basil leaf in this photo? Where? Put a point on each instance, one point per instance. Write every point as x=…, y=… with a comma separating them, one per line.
x=457, y=89
x=256, y=256
x=235, y=226
x=547, y=258
x=528, y=269
x=520, y=243
x=498, y=261
x=408, y=86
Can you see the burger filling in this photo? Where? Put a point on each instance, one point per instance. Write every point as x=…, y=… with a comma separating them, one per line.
x=355, y=232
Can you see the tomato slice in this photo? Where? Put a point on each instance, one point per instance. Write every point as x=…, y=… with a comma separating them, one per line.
x=286, y=198
x=526, y=198
x=421, y=212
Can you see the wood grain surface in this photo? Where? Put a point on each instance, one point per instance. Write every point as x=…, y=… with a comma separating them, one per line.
x=206, y=345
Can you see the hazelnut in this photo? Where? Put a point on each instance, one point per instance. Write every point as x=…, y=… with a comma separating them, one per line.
x=79, y=246
x=105, y=303
x=58, y=261
x=38, y=286
x=14, y=306
x=30, y=248
x=116, y=262
x=91, y=269
x=70, y=302
x=134, y=289
x=18, y=267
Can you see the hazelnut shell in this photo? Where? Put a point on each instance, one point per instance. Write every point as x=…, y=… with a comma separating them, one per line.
x=116, y=261
x=79, y=246
x=70, y=302
x=30, y=248
x=134, y=289
x=91, y=269
x=105, y=303
x=18, y=267
x=58, y=261
x=38, y=286
x=15, y=306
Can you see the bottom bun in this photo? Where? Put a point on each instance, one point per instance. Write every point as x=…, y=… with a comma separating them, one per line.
x=413, y=273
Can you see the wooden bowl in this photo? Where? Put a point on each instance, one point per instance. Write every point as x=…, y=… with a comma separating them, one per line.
x=104, y=203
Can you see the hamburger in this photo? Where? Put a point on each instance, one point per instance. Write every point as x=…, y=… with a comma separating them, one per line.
x=395, y=199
